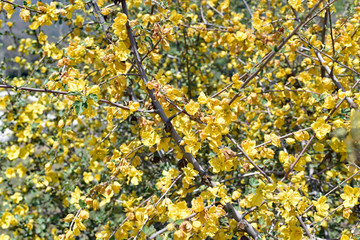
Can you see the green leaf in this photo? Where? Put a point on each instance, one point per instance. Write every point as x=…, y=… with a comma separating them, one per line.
x=78, y=106
x=74, y=93
x=82, y=204
x=85, y=105
x=84, y=99
x=93, y=96
x=254, y=182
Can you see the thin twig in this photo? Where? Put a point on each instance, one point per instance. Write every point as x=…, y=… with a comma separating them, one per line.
x=158, y=201
x=272, y=54
x=332, y=190
x=20, y=6
x=250, y=160
x=61, y=93
x=188, y=156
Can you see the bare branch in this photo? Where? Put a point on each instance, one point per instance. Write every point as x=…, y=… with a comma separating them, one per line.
x=188, y=156
x=272, y=54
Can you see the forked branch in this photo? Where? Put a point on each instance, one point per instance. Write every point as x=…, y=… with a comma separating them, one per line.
x=174, y=134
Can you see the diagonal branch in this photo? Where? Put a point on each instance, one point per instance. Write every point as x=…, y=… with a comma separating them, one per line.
x=335, y=80
x=250, y=160
x=272, y=54
x=188, y=156
x=313, y=136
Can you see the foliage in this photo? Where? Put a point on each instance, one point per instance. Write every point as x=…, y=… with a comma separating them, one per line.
x=150, y=119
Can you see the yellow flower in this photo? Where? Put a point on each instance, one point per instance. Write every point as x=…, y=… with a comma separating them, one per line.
x=75, y=196
x=179, y=211
x=25, y=15
x=235, y=195
x=119, y=26
x=88, y=177
x=52, y=51
x=198, y=204
x=329, y=102
x=7, y=219
x=289, y=199
x=116, y=187
x=295, y=4
x=202, y=98
x=341, y=94
x=10, y=10
x=301, y=135
x=291, y=231
x=16, y=197
x=4, y=237
x=321, y=128
x=42, y=38
x=286, y=159
x=241, y=36
x=249, y=148
x=79, y=226
x=267, y=153
x=321, y=205
x=76, y=85
x=10, y=173
x=105, y=11
x=84, y=214
x=13, y=152
x=350, y=196
x=175, y=17
x=150, y=138
x=170, y=227
x=120, y=19
x=275, y=140
x=134, y=106
x=318, y=147
x=236, y=80
x=192, y=107
x=311, y=3
x=337, y=145
x=290, y=141
x=346, y=213
x=69, y=218
x=21, y=210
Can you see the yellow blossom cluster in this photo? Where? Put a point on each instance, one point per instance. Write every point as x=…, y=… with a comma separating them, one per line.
x=218, y=119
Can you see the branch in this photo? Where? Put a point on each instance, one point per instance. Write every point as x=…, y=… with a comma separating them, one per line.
x=154, y=235
x=62, y=93
x=202, y=13
x=272, y=54
x=161, y=231
x=188, y=156
x=101, y=17
x=325, y=54
x=318, y=12
x=332, y=190
x=248, y=8
x=155, y=102
x=313, y=136
x=158, y=201
x=298, y=157
x=335, y=80
x=20, y=6
x=250, y=160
